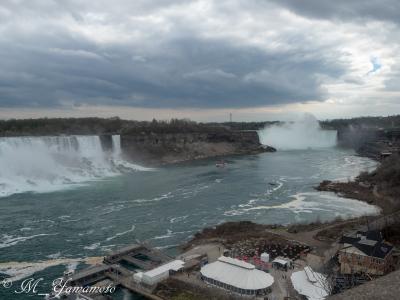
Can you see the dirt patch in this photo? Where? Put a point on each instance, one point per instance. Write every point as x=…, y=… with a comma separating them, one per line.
x=351, y=189
x=232, y=232
x=334, y=232
x=173, y=289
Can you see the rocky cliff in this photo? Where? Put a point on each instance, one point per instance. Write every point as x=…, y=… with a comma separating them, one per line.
x=371, y=142
x=162, y=148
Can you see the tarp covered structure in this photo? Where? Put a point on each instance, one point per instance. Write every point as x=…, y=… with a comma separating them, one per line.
x=237, y=276
x=310, y=284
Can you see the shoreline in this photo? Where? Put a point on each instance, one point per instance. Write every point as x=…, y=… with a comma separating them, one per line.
x=373, y=188
x=174, y=161
x=316, y=232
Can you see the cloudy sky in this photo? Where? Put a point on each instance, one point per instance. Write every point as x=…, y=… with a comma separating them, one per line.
x=203, y=59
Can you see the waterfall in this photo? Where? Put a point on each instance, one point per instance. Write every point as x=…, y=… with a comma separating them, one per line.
x=43, y=164
x=303, y=133
x=116, y=144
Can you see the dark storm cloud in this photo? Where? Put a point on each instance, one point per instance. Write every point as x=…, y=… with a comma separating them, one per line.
x=354, y=10
x=185, y=72
x=47, y=62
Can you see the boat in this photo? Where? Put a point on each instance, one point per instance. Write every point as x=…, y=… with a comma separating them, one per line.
x=220, y=164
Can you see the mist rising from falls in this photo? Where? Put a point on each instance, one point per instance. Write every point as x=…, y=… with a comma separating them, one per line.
x=42, y=164
x=304, y=133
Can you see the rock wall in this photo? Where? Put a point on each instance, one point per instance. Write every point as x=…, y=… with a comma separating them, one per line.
x=156, y=149
x=370, y=142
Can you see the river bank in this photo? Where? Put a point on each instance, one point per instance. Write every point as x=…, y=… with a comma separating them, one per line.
x=156, y=149
x=379, y=187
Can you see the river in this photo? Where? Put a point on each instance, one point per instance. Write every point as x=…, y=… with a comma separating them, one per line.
x=167, y=205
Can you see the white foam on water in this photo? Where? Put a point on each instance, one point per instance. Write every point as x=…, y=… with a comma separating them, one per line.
x=112, y=208
x=25, y=229
x=109, y=248
x=156, y=199
x=46, y=164
x=55, y=255
x=20, y=270
x=165, y=236
x=9, y=240
x=277, y=185
x=89, y=232
x=93, y=246
x=313, y=202
x=178, y=219
x=121, y=233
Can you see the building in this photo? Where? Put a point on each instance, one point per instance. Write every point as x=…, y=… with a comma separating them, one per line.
x=310, y=284
x=365, y=252
x=158, y=274
x=282, y=263
x=264, y=257
x=237, y=276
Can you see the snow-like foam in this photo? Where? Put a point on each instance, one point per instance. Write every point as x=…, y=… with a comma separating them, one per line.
x=155, y=199
x=165, y=236
x=54, y=255
x=120, y=233
x=10, y=240
x=276, y=186
x=178, y=219
x=93, y=246
x=313, y=202
x=20, y=270
x=97, y=245
x=45, y=164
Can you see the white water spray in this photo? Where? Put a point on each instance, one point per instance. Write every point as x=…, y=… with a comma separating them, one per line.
x=304, y=133
x=43, y=164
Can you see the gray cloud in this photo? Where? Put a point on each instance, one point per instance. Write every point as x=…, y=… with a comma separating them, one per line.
x=61, y=54
x=355, y=10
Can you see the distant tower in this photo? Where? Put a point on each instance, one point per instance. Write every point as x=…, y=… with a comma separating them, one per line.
x=230, y=117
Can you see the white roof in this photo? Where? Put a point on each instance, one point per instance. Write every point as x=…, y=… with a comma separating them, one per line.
x=281, y=261
x=312, y=290
x=237, y=273
x=236, y=262
x=352, y=250
x=174, y=265
x=311, y=275
x=367, y=242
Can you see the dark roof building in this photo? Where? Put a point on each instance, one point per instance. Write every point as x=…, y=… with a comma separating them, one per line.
x=365, y=251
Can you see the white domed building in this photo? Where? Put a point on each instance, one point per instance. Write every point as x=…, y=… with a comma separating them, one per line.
x=237, y=276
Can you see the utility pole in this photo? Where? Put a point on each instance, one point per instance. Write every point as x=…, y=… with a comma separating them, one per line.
x=230, y=117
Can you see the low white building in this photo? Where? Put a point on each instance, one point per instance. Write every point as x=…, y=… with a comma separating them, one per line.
x=282, y=262
x=237, y=276
x=264, y=257
x=159, y=274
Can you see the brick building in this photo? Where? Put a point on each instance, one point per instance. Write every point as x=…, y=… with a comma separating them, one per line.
x=365, y=252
